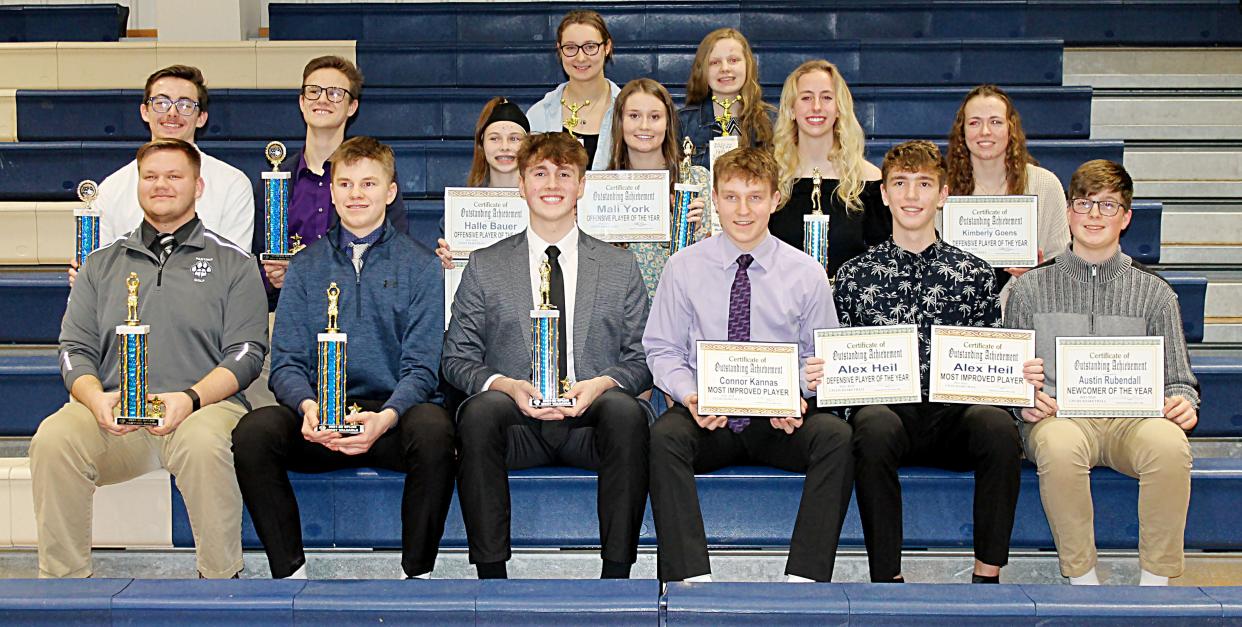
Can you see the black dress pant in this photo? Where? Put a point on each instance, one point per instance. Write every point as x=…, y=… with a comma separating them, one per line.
x=981, y=438
x=680, y=448
x=610, y=437
x=268, y=442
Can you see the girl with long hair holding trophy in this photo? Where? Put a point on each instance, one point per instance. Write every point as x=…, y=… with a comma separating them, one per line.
x=723, y=96
x=831, y=195
x=581, y=106
x=646, y=138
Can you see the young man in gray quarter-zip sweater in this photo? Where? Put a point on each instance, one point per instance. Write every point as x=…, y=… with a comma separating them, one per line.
x=1095, y=289
x=203, y=300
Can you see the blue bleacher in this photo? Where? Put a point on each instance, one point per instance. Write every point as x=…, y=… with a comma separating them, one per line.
x=51, y=170
x=33, y=302
x=81, y=22
x=1220, y=378
x=1116, y=22
x=595, y=602
x=451, y=113
x=862, y=63
x=31, y=387
x=556, y=507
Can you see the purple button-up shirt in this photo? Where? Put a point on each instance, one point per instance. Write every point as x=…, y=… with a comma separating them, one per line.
x=790, y=298
x=310, y=202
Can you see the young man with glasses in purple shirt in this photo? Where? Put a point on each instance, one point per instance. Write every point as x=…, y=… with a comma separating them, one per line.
x=742, y=285
x=331, y=86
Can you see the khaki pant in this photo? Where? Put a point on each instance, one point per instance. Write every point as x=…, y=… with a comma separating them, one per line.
x=1153, y=450
x=70, y=455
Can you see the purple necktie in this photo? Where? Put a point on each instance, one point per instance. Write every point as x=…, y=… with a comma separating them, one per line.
x=739, y=318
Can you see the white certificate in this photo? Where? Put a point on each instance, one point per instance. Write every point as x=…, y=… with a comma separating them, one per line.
x=868, y=365
x=1110, y=377
x=715, y=150
x=626, y=205
x=477, y=217
x=452, y=278
x=999, y=229
x=749, y=379
x=980, y=366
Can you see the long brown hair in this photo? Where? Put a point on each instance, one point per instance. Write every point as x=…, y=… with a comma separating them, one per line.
x=670, y=147
x=962, y=173
x=755, y=123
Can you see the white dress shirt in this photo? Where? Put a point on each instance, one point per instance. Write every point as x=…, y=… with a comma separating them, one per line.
x=536, y=250
x=226, y=206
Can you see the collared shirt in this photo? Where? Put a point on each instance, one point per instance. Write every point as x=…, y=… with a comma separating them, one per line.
x=148, y=234
x=790, y=298
x=942, y=285
x=310, y=202
x=226, y=206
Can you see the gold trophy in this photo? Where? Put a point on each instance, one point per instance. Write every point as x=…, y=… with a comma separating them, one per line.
x=815, y=224
x=132, y=353
x=683, y=232
x=280, y=246
x=573, y=121
x=332, y=365
x=725, y=119
x=545, y=359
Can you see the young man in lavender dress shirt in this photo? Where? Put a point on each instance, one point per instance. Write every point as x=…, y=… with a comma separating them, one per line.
x=743, y=285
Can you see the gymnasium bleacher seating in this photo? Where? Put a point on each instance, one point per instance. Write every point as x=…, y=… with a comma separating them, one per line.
x=429, y=67
x=90, y=22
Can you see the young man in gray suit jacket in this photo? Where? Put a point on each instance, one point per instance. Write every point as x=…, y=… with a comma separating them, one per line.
x=600, y=294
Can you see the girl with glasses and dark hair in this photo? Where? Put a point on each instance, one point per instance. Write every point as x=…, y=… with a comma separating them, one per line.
x=583, y=104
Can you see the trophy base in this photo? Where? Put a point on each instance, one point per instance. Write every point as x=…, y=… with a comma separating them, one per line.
x=539, y=403
x=139, y=421
x=347, y=428
x=275, y=256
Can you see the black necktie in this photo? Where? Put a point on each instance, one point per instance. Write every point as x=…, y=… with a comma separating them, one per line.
x=557, y=296
x=164, y=244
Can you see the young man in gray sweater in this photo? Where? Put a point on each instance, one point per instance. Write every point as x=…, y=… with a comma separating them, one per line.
x=1095, y=289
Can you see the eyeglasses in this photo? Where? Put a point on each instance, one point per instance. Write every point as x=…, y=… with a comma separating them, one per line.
x=162, y=104
x=1107, y=208
x=591, y=48
x=335, y=94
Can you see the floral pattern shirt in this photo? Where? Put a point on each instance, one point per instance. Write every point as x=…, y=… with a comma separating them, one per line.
x=943, y=285
x=653, y=255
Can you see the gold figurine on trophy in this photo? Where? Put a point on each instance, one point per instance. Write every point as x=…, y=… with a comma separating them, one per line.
x=574, y=121
x=725, y=119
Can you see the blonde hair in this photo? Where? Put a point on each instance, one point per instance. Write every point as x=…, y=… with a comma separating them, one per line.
x=848, y=141
x=753, y=124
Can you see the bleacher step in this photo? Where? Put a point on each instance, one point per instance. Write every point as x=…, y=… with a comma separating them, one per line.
x=1198, y=254
x=1201, y=223
x=1213, y=116
x=1159, y=68
x=1115, y=567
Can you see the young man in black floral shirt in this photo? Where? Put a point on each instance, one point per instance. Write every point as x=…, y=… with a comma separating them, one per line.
x=916, y=278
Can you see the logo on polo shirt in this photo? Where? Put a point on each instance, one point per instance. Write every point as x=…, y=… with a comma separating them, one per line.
x=201, y=268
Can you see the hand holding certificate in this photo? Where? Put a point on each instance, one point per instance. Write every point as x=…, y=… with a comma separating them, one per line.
x=868, y=365
x=1110, y=377
x=749, y=379
x=999, y=229
x=980, y=366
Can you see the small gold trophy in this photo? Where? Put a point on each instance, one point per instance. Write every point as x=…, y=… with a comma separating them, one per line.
x=683, y=233
x=815, y=224
x=725, y=119
x=132, y=354
x=332, y=362
x=280, y=246
x=86, y=222
x=545, y=354
x=573, y=121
